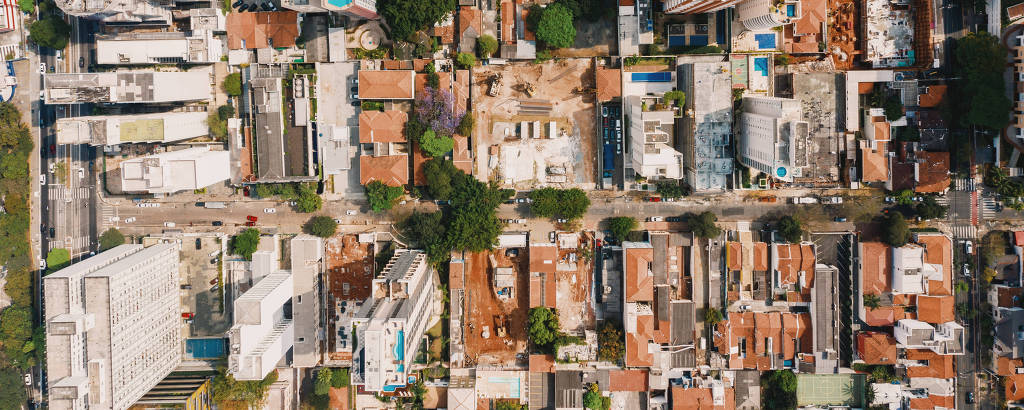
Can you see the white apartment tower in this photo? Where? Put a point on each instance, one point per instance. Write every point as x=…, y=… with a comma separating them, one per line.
x=113, y=327
x=391, y=322
x=769, y=130
x=263, y=331
x=697, y=6
x=767, y=14
x=652, y=131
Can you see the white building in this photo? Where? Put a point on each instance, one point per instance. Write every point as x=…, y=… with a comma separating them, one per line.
x=263, y=331
x=652, y=136
x=170, y=172
x=113, y=327
x=910, y=274
x=391, y=322
x=697, y=6
x=759, y=15
x=944, y=338
x=121, y=12
x=707, y=125
x=770, y=128
x=158, y=48
x=134, y=128
x=306, y=262
x=127, y=86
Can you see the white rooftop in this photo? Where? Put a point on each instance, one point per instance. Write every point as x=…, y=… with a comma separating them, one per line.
x=174, y=171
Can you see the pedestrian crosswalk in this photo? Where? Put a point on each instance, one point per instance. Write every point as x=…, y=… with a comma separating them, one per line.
x=942, y=200
x=107, y=215
x=75, y=244
x=989, y=208
x=965, y=231
x=60, y=193
x=963, y=184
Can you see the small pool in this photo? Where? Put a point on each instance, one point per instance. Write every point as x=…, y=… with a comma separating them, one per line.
x=205, y=348
x=790, y=10
x=761, y=65
x=513, y=385
x=765, y=41
x=659, y=77
x=400, y=346
x=781, y=172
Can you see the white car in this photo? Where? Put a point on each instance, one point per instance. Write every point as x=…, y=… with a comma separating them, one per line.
x=154, y=204
x=169, y=224
x=519, y=221
x=269, y=210
x=50, y=167
x=42, y=264
x=42, y=67
x=143, y=205
x=337, y=221
x=351, y=212
x=42, y=179
x=129, y=220
x=655, y=219
x=969, y=247
x=81, y=173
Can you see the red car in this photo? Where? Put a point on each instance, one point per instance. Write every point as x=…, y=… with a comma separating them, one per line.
x=250, y=223
x=654, y=199
x=251, y=218
x=187, y=315
x=53, y=149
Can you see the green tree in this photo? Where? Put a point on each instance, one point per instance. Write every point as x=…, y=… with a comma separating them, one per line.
x=543, y=326
x=610, y=345
x=439, y=173
x=565, y=203
x=245, y=243
x=508, y=405
x=217, y=126
x=227, y=392
x=57, y=259
x=307, y=200
x=12, y=390
x=895, y=231
x=473, y=225
x=322, y=386
x=16, y=324
x=621, y=226
x=671, y=190
x=111, y=238
x=233, y=84
x=382, y=196
x=465, y=60
x=226, y=111
x=428, y=231
x=593, y=400
x=790, y=229
x=26, y=6
x=466, y=124
x=704, y=224
x=436, y=145
x=713, y=316
x=406, y=17
x=51, y=31
x=340, y=378
x=981, y=61
x=555, y=27
x=322, y=226
x=486, y=46
x=929, y=208
x=871, y=301
x=676, y=96
x=893, y=108
x=778, y=389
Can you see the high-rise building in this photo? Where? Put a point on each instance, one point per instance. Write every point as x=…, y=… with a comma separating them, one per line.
x=767, y=14
x=113, y=327
x=366, y=9
x=263, y=331
x=391, y=322
x=770, y=129
x=174, y=171
x=697, y=6
x=121, y=12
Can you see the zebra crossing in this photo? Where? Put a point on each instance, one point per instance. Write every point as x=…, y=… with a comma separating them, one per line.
x=107, y=215
x=965, y=231
x=989, y=208
x=963, y=184
x=60, y=193
x=942, y=200
x=74, y=243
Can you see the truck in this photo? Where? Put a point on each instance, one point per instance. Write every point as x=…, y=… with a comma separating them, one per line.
x=215, y=205
x=832, y=200
x=805, y=200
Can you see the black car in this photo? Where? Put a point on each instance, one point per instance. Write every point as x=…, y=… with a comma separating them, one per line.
x=355, y=103
x=673, y=219
x=199, y=244
x=243, y=7
x=81, y=62
x=200, y=204
x=237, y=3
x=53, y=232
x=218, y=223
x=970, y=397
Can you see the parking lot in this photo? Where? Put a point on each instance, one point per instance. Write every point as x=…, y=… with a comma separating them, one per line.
x=201, y=286
x=611, y=146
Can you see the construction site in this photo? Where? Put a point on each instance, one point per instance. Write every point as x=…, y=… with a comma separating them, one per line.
x=494, y=325
x=842, y=41
x=574, y=280
x=349, y=264
x=535, y=124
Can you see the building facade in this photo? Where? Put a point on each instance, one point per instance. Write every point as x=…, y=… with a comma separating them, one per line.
x=98, y=355
x=697, y=6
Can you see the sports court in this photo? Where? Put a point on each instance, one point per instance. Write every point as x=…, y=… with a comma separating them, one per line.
x=830, y=390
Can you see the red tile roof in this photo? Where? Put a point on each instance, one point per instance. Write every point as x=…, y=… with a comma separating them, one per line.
x=813, y=13
x=627, y=380
x=386, y=84
x=700, y=399
x=1006, y=366
x=936, y=309
x=754, y=329
x=419, y=177
x=876, y=267
x=883, y=316
x=444, y=82
x=933, y=172
x=392, y=170
x=386, y=126
x=508, y=19
x=939, y=366
x=469, y=19
x=1014, y=387
x=262, y=29
x=932, y=402
x=1018, y=238
x=877, y=348
x=733, y=256
x=933, y=97
x=1008, y=297
x=938, y=250
x=609, y=83
x=761, y=256
x=639, y=278
x=876, y=163
x=792, y=260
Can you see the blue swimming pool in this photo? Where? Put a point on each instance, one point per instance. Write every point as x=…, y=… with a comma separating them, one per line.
x=400, y=346
x=790, y=10
x=659, y=77
x=765, y=41
x=761, y=65
x=206, y=348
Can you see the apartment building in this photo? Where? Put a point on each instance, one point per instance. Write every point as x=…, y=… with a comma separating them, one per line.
x=770, y=129
x=697, y=6
x=767, y=14
x=652, y=131
x=98, y=354
x=110, y=130
x=174, y=171
x=391, y=322
x=127, y=87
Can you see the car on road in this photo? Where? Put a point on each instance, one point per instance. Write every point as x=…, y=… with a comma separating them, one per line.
x=356, y=103
x=969, y=247
x=673, y=219
x=42, y=264
x=53, y=232
x=129, y=220
x=28, y=379
x=523, y=200
x=269, y=210
x=351, y=212
x=218, y=223
x=81, y=62
x=251, y=218
x=81, y=173
x=840, y=219
x=355, y=93
x=561, y=221
x=970, y=397
x=519, y=221
x=551, y=236
x=337, y=221
x=42, y=67
x=250, y=223
x=42, y=96
x=168, y=224
x=42, y=179
x=653, y=199
x=967, y=270
x=53, y=148
x=51, y=167
x=889, y=199
x=655, y=219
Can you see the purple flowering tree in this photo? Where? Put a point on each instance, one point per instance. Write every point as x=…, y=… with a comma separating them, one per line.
x=435, y=109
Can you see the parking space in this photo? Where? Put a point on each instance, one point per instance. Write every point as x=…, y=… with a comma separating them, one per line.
x=202, y=294
x=611, y=146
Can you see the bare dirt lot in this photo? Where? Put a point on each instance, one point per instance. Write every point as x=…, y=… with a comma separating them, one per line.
x=349, y=268
x=519, y=124
x=574, y=300
x=484, y=308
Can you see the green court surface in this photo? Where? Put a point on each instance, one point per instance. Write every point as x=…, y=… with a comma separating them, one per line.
x=830, y=389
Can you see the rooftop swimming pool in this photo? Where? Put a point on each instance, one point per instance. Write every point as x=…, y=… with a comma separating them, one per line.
x=658, y=77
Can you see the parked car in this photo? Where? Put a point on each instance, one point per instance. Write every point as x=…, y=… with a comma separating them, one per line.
x=351, y=212
x=53, y=233
x=81, y=173
x=81, y=62
x=967, y=270
x=129, y=220
x=269, y=210
x=251, y=218
x=199, y=244
x=889, y=199
x=42, y=179
x=519, y=221
x=237, y=3
x=840, y=219
x=169, y=224
x=970, y=397
x=250, y=223
x=655, y=219
x=218, y=223
x=561, y=221
x=551, y=236
x=969, y=247
x=673, y=219
x=523, y=200
x=653, y=199
x=42, y=264
x=42, y=67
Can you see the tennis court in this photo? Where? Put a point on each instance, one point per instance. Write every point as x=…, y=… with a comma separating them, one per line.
x=830, y=389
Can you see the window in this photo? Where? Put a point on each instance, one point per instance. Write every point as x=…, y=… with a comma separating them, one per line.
x=298, y=299
x=302, y=339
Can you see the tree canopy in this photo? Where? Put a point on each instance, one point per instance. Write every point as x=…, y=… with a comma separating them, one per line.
x=436, y=145
x=26, y=6
x=322, y=226
x=429, y=232
x=439, y=174
x=671, y=189
x=111, y=238
x=895, y=231
x=929, y=208
x=233, y=84
x=893, y=108
x=790, y=229
x=50, y=31
x=473, y=224
x=465, y=60
x=704, y=224
x=486, y=46
x=620, y=226
x=555, y=27
x=406, y=17
x=981, y=62
x=713, y=316
x=543, y=326
x=382, y=196
x=566, y=203
x=227, y=392
x=308, y=201
x=322, y=385
x=594, y=400
x=610, y=345
x=245, y=243
x=778, y=389
x=12, y=389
